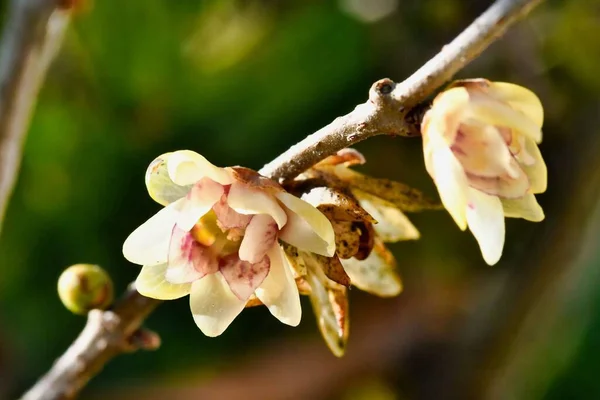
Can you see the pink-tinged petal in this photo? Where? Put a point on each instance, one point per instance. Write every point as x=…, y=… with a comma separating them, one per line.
x=493, y=112
x=307, y=228
x=149, y=243
x=188, y=259
x=227, y=217
x=451, y=181
x=502, y=186
x=486, y=221
x=186, y=167
x=526, y=207
x=249, y=201
x=279, y=291
x=259, y=237
x=243, y=277
x=204, y=194
x=482, y=151
x=520, y=99
x=151, y=283
x=213, y=304
x=444, y=118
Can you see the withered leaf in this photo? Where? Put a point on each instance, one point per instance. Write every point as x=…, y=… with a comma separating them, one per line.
x=346, y=157
x=295, y=259
x=254, y=179
x=331, y=267
x=336, y=205
x=377, y=274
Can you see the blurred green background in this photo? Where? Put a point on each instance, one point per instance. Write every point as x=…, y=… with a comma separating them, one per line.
x=241, y=81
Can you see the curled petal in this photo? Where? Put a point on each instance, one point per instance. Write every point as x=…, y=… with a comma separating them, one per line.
x=188, y=260
x=149, y=243
x=259, y=237
x=151, y=282
x=526, y=207
x=536, y=171
x=243, y=277
x=502, y=186
x=377, y=274
x=248, y=201
x=204, y=194
x=452, y=184
x=279, y=291
x=444, y=118
x=186, y=167
x=228, y=218
x=213, y=304
x=520, y=99
x=160, y=186
x=392, y=225
x=486, y=221
x=307, y=228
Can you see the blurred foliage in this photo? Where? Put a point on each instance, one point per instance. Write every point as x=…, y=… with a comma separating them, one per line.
x=239, y=82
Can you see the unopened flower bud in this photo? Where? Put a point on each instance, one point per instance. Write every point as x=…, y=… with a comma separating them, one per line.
x=84, y=287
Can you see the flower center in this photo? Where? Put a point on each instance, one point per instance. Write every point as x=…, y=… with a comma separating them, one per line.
x=209, y=233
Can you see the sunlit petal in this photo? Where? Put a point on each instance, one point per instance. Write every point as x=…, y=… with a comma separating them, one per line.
x=151, y=282
x=452, y=185
x=307, y=228
x=187, y=167
x=249, y=201
x=519, y=98
x=160, y=186
x=243, y=277
x=204, y=194
x=259, y=237
x=213, y=304
x=485, y=217
x=188, y=259
x=149, y=243
x=279, y=291
x=526, y=207
x=537, y=172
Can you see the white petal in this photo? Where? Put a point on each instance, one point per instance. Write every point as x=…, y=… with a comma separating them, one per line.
x=151, y=282
x=204, y=194
x=213, y=304
x=519, y=98
x=451, y=181
x=377, y=274
x=500, y=114
x=307, y=228
x=537, y=172
x=485, y=217
x=259, y=237
x=279, y=291
x=526, y=207
x=149, y=243
x=187, y=167
x=392, y=225
x=250, y=201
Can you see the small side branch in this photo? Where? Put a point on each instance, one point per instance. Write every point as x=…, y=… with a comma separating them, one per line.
x=389, y=110
x=31, y=37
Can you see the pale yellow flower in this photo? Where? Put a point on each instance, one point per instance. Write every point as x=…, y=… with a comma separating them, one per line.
x=217, y=239
x=480, y=145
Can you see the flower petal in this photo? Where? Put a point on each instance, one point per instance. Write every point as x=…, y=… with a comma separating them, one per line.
x=519, y=98
x=187, y=167
x=259, y=237
x=279, y=291
x=526, y=207
x=377, y=274
x=451, y=182
x=188, y=259
x=203, y=196
x=485, y=217
x=149, y=243
x=250, y=201
x=213, y=304
x=502, y=186
x=537, y=172
x=243, y=277
x=151, y=282
x=307, y=228
x=160, y=186
x=392, y=225
x=500, y=114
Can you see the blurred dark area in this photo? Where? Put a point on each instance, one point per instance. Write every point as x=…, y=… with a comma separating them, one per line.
x=240, y=82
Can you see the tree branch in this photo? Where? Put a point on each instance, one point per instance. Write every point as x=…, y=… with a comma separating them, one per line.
x=31, y=37
x=388, y=111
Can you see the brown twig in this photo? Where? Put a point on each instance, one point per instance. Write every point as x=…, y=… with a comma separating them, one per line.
x=31, y=37
x=388, y=111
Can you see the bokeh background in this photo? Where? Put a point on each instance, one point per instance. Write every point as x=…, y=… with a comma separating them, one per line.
x=241, y=81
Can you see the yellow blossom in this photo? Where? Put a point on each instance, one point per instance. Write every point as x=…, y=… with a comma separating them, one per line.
x=480, y=146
